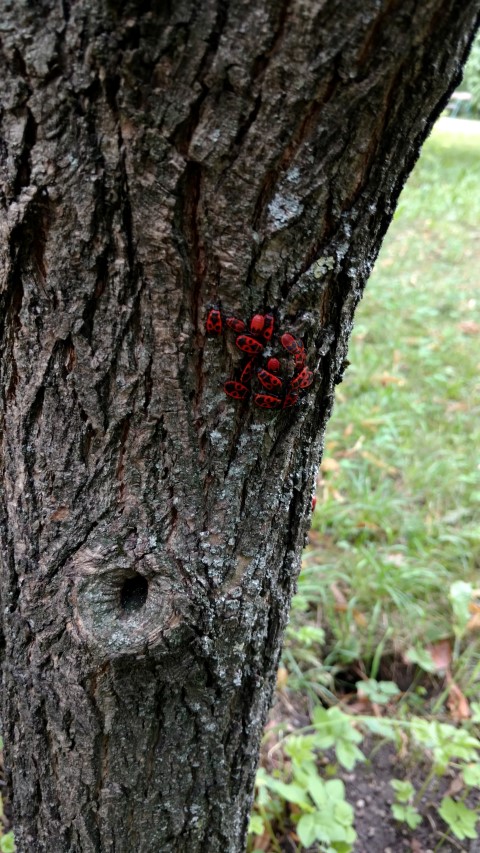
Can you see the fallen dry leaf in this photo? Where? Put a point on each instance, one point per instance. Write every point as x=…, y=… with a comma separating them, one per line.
x=457, y=703
x=329, y=465
x=360, y=618
x=395, y=558
x=365, y=454
x=441, y=654
x=405, y=746
x=398, y=357
x=473, y=623
x=469, y=327
x=372, y=423
x=389, y=379
x=457, y=406
x=456, y=786
x=368, y=525
x=341, y=602
x=353, y=450
x=263, y=842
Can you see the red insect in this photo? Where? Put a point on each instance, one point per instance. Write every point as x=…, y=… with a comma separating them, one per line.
x=235, y=324
x=269, y=323
x=213, y=323
x=273, y=365
x=314, y=502
x=257, y=323
x=249, y=345
x=303, y=380
x=290, y=343
x=290, y=400
x=300, y=359
x=267, y=401
x=247, y=371
x=235, y=389
x=269, y=380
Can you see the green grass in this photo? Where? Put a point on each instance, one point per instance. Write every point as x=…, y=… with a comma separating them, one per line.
x=398, y=516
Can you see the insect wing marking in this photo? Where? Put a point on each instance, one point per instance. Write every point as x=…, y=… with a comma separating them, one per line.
x=267, y=401
x=236, y=389
x=249, y=345
x=269, y=380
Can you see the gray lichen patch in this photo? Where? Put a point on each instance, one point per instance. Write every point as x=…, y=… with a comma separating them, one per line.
x=283, y=209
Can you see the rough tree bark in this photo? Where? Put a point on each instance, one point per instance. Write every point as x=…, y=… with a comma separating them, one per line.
x=156, y=157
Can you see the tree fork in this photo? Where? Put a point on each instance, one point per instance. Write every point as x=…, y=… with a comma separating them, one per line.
x=157, y=158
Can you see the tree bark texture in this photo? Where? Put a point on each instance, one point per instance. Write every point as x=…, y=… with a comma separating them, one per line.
x=158, y=157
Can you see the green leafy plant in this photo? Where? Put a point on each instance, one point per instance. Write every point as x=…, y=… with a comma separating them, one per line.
x=448, y=748
x=318, y=808
x=7, y=840
x=402, y=808
x=335, y=729
x=295, y=793
x=460, y=819
x=380, y=692
x=7, y=843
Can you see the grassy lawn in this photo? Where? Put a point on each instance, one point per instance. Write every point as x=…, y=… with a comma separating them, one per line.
x=398, y=517
x=386, y=624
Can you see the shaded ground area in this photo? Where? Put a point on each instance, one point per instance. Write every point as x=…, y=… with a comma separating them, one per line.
x=369, y=791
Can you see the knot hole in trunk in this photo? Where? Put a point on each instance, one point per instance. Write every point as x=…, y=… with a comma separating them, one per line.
x=133, y=593
x=126, y=603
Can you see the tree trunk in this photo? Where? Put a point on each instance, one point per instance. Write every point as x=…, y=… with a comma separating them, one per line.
x=157, y=158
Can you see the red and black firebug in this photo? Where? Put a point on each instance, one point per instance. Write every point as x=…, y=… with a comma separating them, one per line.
x=235, y=389
x=303, y=380
x=235, y=324
x=291, y=344
x=290, y=400
x=300, y=359
x=268, y=326
x=247, y=371
x=213, y=323
x=249, y=345
x=269, y=380
x=257, y=323
x=267, y=401
x=273, y=365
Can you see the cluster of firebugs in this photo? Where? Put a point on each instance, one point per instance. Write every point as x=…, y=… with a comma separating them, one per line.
x=253, y=341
